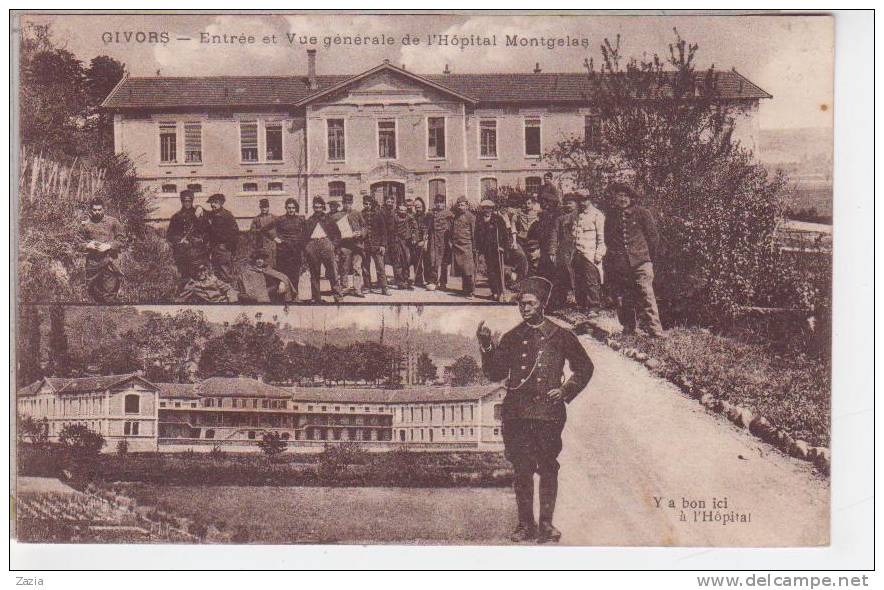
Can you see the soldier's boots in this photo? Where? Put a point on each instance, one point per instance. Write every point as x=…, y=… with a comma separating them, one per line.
x=524, y=532
x=547, y=533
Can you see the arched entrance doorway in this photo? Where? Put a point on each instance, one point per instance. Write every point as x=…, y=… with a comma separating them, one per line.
x=381, y=190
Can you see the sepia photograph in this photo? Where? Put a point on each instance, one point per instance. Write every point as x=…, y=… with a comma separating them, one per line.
x=433, y=278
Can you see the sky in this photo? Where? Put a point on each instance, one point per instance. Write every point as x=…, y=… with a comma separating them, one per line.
x=462, y=319
x=791, y=57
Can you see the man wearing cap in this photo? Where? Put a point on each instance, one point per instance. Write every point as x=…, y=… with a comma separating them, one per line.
x=322, y=235
x=438, y=236
x=287, y=234
x=262, y=240
x=523, y=220
x=401, y=246
x=548, y=190
x=102, y=239
x=351, y=248
x=589, y=250
x=531, y=358
x=491, y=236
x=222, y=234
x=544, y=233
x=561, y=248
x=375, y=244
x=185, y=235
x=632, y=242
x=463, y=241
x=258, y=283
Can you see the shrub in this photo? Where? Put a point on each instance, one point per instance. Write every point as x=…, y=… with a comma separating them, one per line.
x=272, y=444
x=122, y=448
x=34, y=431
x=216, y=454
x=79, y=441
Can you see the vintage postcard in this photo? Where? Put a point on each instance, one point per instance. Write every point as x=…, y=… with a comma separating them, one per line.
x=449, y=278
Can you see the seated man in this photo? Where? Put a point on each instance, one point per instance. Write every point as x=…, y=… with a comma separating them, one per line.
x=205, y=287
x=258, y=283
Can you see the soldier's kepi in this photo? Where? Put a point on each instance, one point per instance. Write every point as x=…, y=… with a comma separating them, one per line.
x=531, y=358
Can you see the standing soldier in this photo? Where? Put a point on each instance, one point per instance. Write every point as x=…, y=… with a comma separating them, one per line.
x=561, y=248
x=531, y=357
x=589, y=250
x=544, y=232
x=186, y=237
x=491, y=234
x=418, y=253
x=523, y=221
x=322, y=236
x=103, y=238
x=375, y=244
x=402, y=245
x=262, y=240
x=287, y=232
x=438, y=223
x=351, y=249
x=463, y=239
x=633, y=241
x=223, y=237
x=548, y=190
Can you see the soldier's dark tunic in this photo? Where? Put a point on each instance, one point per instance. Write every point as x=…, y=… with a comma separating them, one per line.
x=290, y=251
x=438, y=236
x=402, y=242
x=375, y=226
x=261, y=239
x=103, y=274
x=491, y=236
x=223, y=237
x=532, y=359
x=186, y=236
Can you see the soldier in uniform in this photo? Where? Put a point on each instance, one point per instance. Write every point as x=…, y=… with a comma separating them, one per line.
x=351, y=249
x=287, y=233
x=103, y=238
x=438, y=234
x=531, y=357
x=186, y=237
x=223, y=236
x=262, y=240
x=322, y=235
x=375, y=244
x=463, y=239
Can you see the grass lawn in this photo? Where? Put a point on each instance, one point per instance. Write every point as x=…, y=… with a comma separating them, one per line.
x=282, y=515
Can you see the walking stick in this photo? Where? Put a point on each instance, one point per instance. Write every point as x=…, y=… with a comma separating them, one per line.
x=501, y=268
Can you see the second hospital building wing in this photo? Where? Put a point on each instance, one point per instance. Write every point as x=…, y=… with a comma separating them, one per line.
x=383, y=131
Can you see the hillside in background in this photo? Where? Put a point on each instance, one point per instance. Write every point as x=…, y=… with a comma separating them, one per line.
x=806, y=155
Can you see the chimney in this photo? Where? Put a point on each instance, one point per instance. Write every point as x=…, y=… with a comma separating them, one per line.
x=447, y=70
x=311, y=69
x=537, y=67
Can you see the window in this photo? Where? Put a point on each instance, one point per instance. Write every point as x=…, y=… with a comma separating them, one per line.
x=130, y=428
x=265, y=403
x=132, y=403
x=498, y=408
x=592, y=132
x=197, y=188
x=532, y=137
x=488, y=188
x=248, y=141
x=254, y=403
x=251, y=435
x=235, y=403
x=336, y=151
x=168, y=143
x=436, y=187
x=309, y=408
x=273, y=141
x=250, y=187
x=497, y=432
x=162, y=404
x=488, y=139
x=436, y=137
x=387, y=139
x=170, y=188
x=533, y=184
x=193, y=143
x=177, y=404
x=275, y=187
x=336, y=189
x=210, y=433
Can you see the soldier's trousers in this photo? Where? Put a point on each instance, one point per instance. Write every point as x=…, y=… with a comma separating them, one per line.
x=373, y=254
x=516, y=258
x=222, y=264
x=637, y=304
x=289, y=261
x=533, y=446
x=587, y=282
x=351, y=264
x=103, y=278
x=417, y=262
x=321, y=252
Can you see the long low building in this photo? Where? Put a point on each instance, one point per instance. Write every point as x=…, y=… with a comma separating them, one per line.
x=234, y=413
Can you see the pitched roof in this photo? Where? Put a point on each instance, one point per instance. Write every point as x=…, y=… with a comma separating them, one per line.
x=238, y=387
x=65, y=385
x=288, y=91
x=177, y=390
x=408, y=395
x=31, y=389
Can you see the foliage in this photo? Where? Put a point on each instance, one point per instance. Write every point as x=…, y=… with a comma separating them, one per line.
x=667, y=133
x=167, y=345
x=465, y=371
x=427, y=371
x=122, y=448
x=272, y=444
x=34, y=431
x=28, y=349
x=79, y=441
x=59, y=356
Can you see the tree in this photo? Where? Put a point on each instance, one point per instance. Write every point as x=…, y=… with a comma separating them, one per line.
x=33, y=430
x=667, y=131
x=167, y=344
x=59, y=356
x=245, y=348
x=426, y=369
x=272, y=444
x=80, y=441
x=28, y=356
x=100, y=77
x=465, y=371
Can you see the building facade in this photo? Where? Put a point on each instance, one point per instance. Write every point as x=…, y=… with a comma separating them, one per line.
x=234, y=413
x=384, y=131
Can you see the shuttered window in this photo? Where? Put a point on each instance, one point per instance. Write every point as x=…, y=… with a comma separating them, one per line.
x=592, y=132
x=336, y=189
x=532, y=185
x=437, y=187
x=436, y=137
x=488, y=190
x=488, y=138
x=273, y=140
x=248, y=141
x=168, y=143
x=387, y=139
x=336, y=149
x=532, y=137
x=193, y=143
